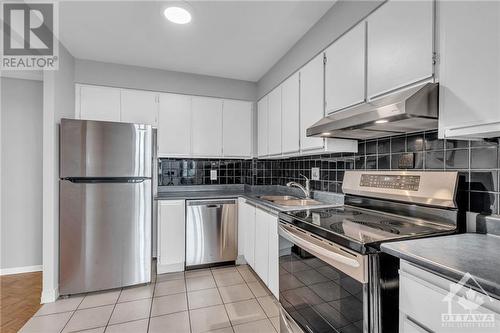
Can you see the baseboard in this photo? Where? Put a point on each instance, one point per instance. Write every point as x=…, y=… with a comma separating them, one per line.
x=49, y=296
x=240, y=260
x=170, y=268
x=20, y=270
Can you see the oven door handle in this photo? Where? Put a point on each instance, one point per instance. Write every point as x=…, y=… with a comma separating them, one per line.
x=300, y=240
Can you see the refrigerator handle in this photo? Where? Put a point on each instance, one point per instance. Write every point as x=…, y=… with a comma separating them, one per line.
x=105, y=180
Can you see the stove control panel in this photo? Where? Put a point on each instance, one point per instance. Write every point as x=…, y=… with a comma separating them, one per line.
x=398, y=182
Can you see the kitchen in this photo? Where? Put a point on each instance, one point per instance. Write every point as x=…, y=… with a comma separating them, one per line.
x=325, y=166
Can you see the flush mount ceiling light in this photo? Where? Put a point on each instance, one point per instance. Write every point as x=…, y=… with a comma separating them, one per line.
x=177, y=15
x=325, y=133
x=381, y=121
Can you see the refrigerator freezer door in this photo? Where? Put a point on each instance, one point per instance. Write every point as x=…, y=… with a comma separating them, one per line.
x=104, y=235
x=99, y=149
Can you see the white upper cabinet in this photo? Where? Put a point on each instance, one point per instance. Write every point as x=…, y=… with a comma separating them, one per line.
x=400, y=45
x=206, y=126
x=274, y=129
x=139, y=107
x=188, y=126
x=262, y=126
x=290, y=127
x=469, y=69
x=345, y=70
x=237, y=128
x=174, y=125
x=311, y=101
x=97, y=103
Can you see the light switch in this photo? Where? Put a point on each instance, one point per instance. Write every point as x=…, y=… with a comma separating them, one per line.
x=315, y=173
x=213, y=174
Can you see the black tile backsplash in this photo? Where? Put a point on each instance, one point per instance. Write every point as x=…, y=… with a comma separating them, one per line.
x=197, y=171
x=476, y=161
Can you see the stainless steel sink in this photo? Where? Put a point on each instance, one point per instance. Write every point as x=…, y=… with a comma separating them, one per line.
x=297, y=202
x=288, y=200
x=277, y=197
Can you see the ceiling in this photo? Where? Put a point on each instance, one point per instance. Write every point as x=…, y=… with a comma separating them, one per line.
x=231, y=39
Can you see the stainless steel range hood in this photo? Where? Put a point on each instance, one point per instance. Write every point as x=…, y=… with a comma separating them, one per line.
x=410, y=110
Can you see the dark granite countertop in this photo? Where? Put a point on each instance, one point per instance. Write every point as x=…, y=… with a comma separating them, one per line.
x=251, y=194
x=453, y=256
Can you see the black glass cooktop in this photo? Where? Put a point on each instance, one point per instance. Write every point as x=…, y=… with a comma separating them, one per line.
x=365, y=226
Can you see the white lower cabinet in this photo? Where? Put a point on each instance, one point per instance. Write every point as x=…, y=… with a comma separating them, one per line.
x=246, y=231
x=171, y=254
x=273, y=271
x=258, y=231
x=427, y=301
x=262, y=219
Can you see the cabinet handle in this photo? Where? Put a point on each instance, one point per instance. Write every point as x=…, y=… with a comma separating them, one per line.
x=213, y=206
x=420, y=326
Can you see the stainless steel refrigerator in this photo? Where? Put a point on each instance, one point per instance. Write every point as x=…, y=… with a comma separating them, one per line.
x=105, y=204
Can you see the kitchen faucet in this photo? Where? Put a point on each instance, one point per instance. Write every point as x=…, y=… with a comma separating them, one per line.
x=306, y=189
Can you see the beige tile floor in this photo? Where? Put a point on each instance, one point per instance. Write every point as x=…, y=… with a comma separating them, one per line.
x=223, y=300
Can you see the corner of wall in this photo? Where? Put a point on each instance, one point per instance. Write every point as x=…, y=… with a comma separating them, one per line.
x=58, y=102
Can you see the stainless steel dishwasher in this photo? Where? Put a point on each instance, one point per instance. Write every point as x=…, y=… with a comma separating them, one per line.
x=211, y=231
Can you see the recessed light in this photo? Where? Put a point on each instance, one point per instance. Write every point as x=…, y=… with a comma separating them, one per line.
x=177, y=15
x=326, y=133
x=381, y=121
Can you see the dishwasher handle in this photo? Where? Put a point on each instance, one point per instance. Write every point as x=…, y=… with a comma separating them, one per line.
x=213, y=206
x=211, y=203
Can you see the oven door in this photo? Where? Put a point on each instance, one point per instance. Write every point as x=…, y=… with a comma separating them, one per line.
x=323, y=287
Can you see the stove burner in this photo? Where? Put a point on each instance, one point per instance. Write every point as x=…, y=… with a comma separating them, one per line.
x=342, y=211
x=384, y=225
x=362, y=225
x=306, y=214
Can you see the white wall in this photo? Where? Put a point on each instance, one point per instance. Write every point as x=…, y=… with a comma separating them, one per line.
x=58, y=102
x=21, y=175
x=337, y=20
x=134, y=77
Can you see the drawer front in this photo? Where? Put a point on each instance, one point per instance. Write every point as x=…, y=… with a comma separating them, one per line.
x=430, y=305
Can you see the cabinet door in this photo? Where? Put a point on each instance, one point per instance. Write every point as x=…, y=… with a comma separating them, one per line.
x=242, y=231
x=262, y=126
x=274, y=129
x=273, y=278
x=311, y=101
x=207, y=126
x=99, y=103
x=469, y=71
x=345, y=70
x=171, y=236
x=290, y=127
x=237, y=129
x=400, y=45
x=174, y=125
x=140, y=107
x=247, y=216
x=262, y=220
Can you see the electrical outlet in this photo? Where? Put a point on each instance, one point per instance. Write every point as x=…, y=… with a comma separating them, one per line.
x=213, y=174
x=315, y=173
